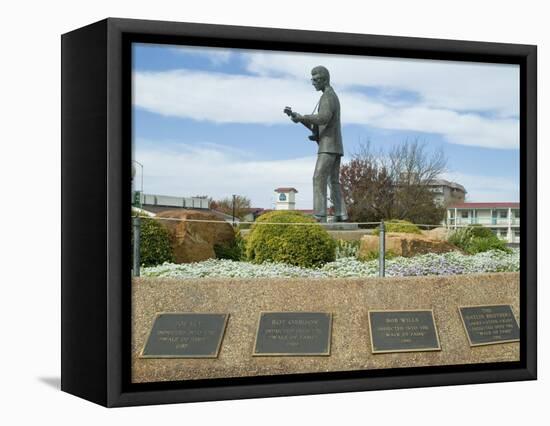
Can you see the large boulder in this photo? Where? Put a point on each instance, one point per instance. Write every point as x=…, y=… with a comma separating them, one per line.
x=403, y=244
x=440, y=233
x=194, y=241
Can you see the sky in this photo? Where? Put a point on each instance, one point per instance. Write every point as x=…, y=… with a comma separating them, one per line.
x=210, y=121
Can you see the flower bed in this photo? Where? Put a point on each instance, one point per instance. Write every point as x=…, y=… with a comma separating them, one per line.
x=429, y=264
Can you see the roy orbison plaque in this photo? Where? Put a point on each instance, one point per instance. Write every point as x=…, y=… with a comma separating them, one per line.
x=293, y=334
x=488, y=325
x=185, y=335
x=403, y=331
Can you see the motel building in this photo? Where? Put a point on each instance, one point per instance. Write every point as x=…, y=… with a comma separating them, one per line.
x=502, y=218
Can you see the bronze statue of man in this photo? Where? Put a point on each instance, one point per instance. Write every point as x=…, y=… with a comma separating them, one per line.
x=326, y=131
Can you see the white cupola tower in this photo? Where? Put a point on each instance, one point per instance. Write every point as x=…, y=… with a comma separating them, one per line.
x=285, y=198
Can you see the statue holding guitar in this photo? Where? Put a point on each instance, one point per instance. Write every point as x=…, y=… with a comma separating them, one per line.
x=325, y=129
x=312, y=128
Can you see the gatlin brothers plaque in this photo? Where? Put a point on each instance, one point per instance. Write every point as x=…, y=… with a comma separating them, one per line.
x=489, y=325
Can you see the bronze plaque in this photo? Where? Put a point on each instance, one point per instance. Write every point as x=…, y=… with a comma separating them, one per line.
x=293, y=334
x=185, y=335
x=489, y=325
x=403, y=331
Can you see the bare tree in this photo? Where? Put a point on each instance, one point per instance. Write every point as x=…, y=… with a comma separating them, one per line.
x=225, y=205
x=393, y=185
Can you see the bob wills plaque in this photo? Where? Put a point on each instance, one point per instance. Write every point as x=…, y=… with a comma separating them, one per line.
x=185, y=335
x=488, y=325
x=293, y=333
x=403, y=331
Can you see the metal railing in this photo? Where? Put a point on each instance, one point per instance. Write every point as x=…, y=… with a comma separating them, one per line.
x=382, y=250
x=136, y=224
x=483, y=221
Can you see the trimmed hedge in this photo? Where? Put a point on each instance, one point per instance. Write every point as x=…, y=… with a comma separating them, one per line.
x=396, y=225
x=299, y=245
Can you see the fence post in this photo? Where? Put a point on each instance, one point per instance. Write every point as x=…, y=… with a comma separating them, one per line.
x=233, y=206
x=136, y=223
x=382, y=250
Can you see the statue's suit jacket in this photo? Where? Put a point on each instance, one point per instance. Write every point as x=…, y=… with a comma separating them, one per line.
x=328, y=120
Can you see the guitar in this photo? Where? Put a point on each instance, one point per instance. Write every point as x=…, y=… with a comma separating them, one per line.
x=312, y=128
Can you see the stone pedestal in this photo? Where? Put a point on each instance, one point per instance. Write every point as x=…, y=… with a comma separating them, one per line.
x=340, y=226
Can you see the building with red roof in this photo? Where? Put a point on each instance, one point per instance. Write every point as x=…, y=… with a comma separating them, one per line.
x=502, y=217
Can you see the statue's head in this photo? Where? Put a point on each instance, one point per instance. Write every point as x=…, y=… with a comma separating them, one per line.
x=320, y=77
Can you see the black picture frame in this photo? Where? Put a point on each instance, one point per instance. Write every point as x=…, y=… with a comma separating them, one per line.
x=96, y=152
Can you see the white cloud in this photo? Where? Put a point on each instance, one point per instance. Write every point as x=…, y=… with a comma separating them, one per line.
x=218, y=97
x=207, y=169
x=440, y=84
x=225, y=98
x=461, y=129
x=216, y=56
x=486, y=188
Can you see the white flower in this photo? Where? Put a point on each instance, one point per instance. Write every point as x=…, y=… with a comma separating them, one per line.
x=428, y=264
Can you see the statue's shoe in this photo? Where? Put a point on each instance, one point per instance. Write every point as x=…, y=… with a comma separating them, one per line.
x=342, y=218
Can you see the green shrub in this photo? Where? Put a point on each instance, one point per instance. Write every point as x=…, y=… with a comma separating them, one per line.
x=155, y=246
x=373, y=255
x=235, y=250
x=481, y=231
x=460, y=237
x=347, y=248
x=300, y=245
x=479, y=245
x=396, y=225
x=476, y=239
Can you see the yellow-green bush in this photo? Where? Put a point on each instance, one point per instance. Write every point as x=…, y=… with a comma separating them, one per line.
x=155, y=243
x=300, y=245
x=396, y=225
